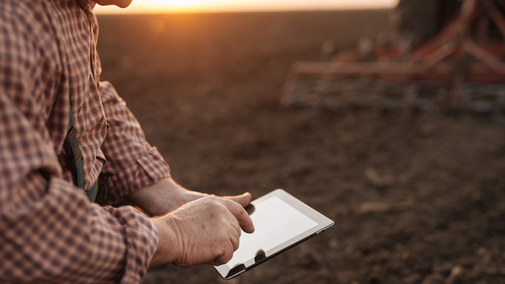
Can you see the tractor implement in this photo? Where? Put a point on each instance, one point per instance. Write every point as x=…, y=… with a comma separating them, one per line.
x=462, y=68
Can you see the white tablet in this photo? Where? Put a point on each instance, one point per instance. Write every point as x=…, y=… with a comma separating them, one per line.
x=281, y=222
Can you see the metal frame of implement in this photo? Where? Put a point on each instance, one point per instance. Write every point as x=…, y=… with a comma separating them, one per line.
x=451, y=71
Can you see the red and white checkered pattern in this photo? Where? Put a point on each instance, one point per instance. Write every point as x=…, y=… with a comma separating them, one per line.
x=49, y=231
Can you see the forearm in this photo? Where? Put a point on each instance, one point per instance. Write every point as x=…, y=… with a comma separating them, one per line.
x=162, y=197
x=165, y=196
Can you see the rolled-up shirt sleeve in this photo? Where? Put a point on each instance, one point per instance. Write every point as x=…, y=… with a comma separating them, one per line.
x=132, y=162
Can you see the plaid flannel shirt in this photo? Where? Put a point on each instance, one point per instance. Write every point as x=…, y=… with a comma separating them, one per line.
x=49, y=231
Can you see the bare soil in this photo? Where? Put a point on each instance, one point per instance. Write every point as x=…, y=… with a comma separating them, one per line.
x=414, y=201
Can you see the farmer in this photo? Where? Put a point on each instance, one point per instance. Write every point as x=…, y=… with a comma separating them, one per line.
x=69, y=146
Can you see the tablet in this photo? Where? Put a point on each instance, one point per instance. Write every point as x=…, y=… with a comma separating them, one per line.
x=281, y=222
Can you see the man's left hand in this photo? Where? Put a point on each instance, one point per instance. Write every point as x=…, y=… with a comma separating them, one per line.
x=166, y=195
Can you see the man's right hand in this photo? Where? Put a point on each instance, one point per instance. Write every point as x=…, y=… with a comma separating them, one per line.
x=206, y=230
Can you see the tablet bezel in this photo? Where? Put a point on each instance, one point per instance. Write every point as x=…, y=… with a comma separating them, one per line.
x=322, y=223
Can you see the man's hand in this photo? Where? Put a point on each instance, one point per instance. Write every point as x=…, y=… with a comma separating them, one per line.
x=166, y=195
x=194, y=227
x=206, y=230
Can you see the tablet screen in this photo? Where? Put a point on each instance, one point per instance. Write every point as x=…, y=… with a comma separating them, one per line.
x=281, y=221
x=275, y=222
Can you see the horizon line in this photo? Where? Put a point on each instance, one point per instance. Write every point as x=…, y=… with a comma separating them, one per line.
x=239, y=11
x=108, y=10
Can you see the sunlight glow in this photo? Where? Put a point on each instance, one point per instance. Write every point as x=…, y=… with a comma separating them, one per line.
x=173, y=4
x=163, y=6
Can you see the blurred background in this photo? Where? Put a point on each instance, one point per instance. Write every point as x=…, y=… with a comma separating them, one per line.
x=415, y=199
x=157, y=6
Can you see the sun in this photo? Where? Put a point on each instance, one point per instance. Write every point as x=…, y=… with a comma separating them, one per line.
x=172, y=4
x=182, y=4
x=167, y=5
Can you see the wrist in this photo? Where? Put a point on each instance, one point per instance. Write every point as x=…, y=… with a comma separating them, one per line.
x=158, y=198
x=169, y=241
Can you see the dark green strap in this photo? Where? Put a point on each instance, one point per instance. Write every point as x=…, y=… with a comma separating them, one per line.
x=74, y=159
x=92, y=192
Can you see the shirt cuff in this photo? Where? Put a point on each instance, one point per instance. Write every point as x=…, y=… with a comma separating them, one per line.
x=145, y=170
x=141, y=237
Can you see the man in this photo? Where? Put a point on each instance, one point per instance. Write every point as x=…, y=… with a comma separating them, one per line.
x=60, y=129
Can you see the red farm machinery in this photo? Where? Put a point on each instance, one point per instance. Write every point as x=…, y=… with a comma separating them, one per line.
x=450, y=60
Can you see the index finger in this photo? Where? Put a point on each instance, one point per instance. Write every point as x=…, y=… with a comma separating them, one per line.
x=239, y=212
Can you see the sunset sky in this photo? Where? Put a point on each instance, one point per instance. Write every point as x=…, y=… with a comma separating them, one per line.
x=160, y=6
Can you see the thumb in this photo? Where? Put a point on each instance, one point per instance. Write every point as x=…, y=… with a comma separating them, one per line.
x=243, y=199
